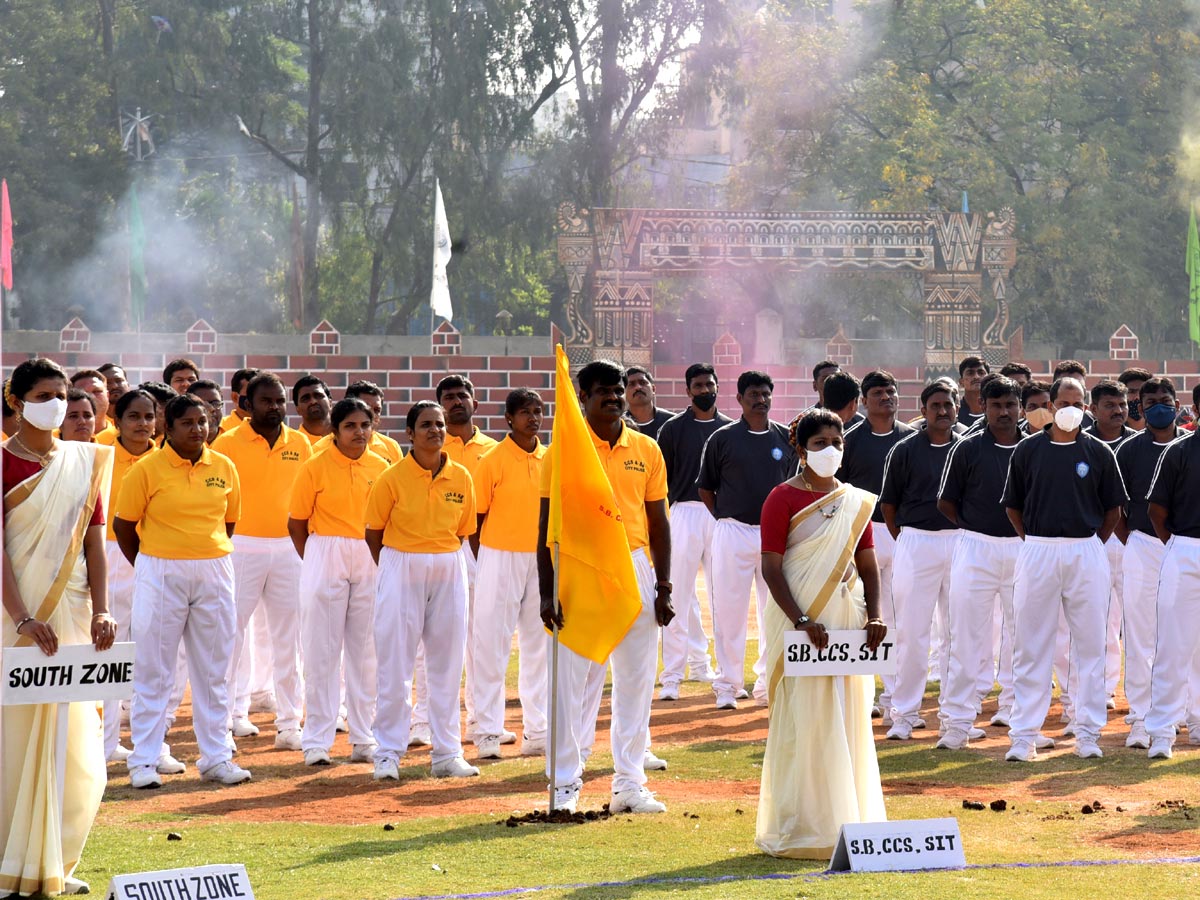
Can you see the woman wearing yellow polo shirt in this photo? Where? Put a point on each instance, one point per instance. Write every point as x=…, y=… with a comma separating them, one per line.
x=418, y=512
x=507, y=481
x=135, y=438
x=187, y=499
x=337, y=583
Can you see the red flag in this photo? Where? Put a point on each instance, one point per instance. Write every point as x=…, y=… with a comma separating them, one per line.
x=5, y=238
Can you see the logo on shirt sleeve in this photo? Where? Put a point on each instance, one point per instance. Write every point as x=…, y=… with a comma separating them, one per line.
x=1081, y=469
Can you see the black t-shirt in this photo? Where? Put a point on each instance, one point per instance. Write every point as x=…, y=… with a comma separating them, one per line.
x=911, y=478
x=865, y=456
x=1137, y=459
x=682, y=440
x=1176, y=486
x=1063, y=490
x=651, y=428
x=966, y=418
x=974, y=481
x=741, y=467
x=1115, y=444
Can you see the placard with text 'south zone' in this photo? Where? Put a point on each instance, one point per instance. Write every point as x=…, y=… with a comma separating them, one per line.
x=222, y=882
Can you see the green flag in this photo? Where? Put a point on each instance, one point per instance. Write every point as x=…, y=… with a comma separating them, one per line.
x=1193, y=270
x=137, y=263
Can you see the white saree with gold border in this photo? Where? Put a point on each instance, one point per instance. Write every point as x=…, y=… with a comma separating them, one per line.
x=45, y=519
x=819, y=770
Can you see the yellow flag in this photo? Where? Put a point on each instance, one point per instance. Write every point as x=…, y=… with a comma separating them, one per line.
x=597, y=586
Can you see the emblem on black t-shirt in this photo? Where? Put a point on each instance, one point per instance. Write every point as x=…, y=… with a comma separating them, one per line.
x=776, y=454
x=1081, y=469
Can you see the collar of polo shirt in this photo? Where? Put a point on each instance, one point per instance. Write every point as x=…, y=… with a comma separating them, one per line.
x=179, y=462
x=622, y=441
x=443, y=472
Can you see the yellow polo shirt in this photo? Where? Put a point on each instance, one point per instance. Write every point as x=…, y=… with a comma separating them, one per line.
x=107, y=435
x=637, y=474
x=507, y=483
x=123, y=461
x=230, y=422
x=331, y=492
x=418, y=513
x=381, y=445
x=308, y=435
x=468, y=454
x=267, y=475
x=183, y=508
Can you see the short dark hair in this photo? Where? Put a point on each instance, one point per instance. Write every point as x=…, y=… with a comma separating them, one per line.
x=518, y=397
x=1059, y=384
x=809, y=423
x=1196, y=395
x=695, y=370
x=109, y=367
x=259, y=381
x=878, y=378
x=453, y=381
x=1108, y=388
x=1157, y=383
x=204, y=384
x=997, y=386
x=163, y=393
x=600, y=371
x=306, y=380
x=937, y=387
x=638, y=370
x=1010, y=369
x=344, y=407
x=30, y=372
x=841, y=389
x=1033, y=387
x=136, y=394
x=86, y=373
x=78, y=394
x=972, y=362
x=414, y=412
x=241, y=377
x=753, y=378
x=1134, y=374
x=179, y=405
x=361, y=387
x=824, y=364
x=1070, y=367
x=179, y=365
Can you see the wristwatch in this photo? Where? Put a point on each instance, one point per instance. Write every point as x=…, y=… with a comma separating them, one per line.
x=802, y=621
x=664, y=586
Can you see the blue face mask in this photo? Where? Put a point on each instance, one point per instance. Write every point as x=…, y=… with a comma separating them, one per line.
x=1160, y=415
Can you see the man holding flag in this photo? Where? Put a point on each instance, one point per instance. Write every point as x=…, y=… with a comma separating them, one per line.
x=604, y=568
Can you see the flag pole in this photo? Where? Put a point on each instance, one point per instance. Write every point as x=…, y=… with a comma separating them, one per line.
x=553, y=754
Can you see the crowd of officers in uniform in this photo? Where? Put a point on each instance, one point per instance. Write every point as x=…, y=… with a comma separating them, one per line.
x=1027, y=533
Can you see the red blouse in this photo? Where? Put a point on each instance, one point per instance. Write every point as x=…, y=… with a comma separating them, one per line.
x=16, y=469
x=781, y=504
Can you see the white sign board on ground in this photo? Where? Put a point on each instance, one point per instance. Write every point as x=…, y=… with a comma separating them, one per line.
x=898, y=846
x=198, y=883
x=76, y=672
x=847, y=654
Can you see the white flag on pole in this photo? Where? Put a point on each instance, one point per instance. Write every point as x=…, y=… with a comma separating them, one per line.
x=439, y=298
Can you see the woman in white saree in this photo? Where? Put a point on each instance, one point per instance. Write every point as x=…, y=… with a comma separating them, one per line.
x=820, y=770
x=54, y=593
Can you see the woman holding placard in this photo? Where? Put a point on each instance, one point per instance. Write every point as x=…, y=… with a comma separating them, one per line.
x=819, y=770
x=54, y=593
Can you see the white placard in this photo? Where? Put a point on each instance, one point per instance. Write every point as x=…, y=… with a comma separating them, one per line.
x=898, y=846
x=197, y=883
x=76, y=672
x=847, y=654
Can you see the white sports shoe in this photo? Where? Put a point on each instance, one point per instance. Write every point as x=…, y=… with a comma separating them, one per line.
x=418, y=735
x=386, y=769
x=668, y=692
x=288, y=739
x=726, y=700
x=169, y=765
x=900, y=731
x=487, y=746
x=1087, y=748
x=455, y=767
x=977, y=734
x=743, y=694
x=652, y=763
x=954, y=739
x=75, y=886
x=1069, y=731
x=243, y=727
x=567, y=797
x=1138, y=738
x=1021, y=751
x=1000, y=719
x=120, y=753
x=533, y=746
x=1042, y=742
x=316, y=756
x=636, y=801
x=1111, y=702
x=143, y=777
x=507, y=737
x=227, y=772
x=1160, y=748
x=707, y=675
x=362, y=753
x=342, y=726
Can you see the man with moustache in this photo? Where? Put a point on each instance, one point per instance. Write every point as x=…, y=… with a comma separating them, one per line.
x=237, y=384
x=741, y=464
x=312, y=400
x=643, y=414
x=971, y=371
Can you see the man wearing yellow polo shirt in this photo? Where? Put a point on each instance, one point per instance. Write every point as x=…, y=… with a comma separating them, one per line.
x=268, y=456
x=507, y=480
x=382, y=445
x=237, y=384
x=310, y=395
x=638, y=476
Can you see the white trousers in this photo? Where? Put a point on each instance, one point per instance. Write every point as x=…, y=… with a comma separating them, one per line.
x=1071, y=575
x=981, y=579
x=256, y=674
x=633, y=666
x=1116, y=605
x=420, y=714
x=419, y=598
x=506, y=601
x=120, y=607
x=684, y=643
x=337, y=609
x=189, y=600
x=267, y=573
x=885, y=551
x=1175, y=658
x=920, y=586
x=736, y=568
x=1143, y=563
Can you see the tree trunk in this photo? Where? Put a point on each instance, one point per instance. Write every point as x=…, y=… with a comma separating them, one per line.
x=376, y=287
x=312, y=167
x=607, y=100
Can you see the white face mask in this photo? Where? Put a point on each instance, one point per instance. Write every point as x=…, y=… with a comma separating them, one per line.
x=824, y=463
x=1068, y=418
x=47, y=415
